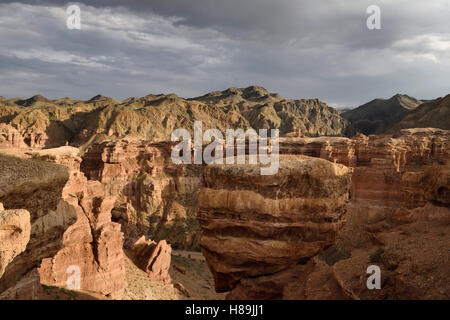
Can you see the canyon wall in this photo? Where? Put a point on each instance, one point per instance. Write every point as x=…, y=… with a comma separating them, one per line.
x=154, y=197
x=405, y=170
x=397, y=217
x=12, y=137
x=70, y=225
x=35, y=186
x=254, y=225
x=336, y=206
x=15, y=232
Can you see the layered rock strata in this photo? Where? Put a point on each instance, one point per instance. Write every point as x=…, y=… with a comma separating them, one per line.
x=35, y=186
x=398, y=217
x=154, y=196
x=14, y=234
x=254, y=225
x=154, y=258
x=71, y=228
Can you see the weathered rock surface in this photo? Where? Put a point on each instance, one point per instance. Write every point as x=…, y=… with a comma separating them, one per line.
x=14, y=234
x=18, y=137
x=400, y=202
x=71, y=224
x=35, y=186
x=404, y=170
x=257, y=225
x=153, y=196
x=10, y=137
x=399, y=207
x=154, y=258
x=93, y=243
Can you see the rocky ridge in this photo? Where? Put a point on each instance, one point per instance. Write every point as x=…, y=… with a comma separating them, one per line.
x=53, y=123
x=435, y=114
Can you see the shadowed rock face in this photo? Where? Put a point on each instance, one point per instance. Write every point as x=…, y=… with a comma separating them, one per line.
x=14, y=234
x=399, y=200
x=93, y=243
x=255, y=225
x=70, y=224
x=435, y=114
x=35, y=186
x=377, y=116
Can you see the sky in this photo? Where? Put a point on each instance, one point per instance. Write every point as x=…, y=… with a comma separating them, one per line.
x=299, y=49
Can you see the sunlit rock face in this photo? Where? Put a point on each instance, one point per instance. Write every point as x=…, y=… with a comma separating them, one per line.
x=254, y=225
x=153, y=195
x=260, y=232
x=70, y=224
x=14, y=234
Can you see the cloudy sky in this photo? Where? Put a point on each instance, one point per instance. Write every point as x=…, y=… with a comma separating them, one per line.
x=299, y=49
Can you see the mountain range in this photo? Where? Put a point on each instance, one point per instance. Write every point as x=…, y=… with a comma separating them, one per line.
x=52, y=123
x=378, y=115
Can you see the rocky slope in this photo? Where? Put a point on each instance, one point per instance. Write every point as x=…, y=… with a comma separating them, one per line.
x=51, y=123
x=435, y=114
x=398, y=217
x=377, y=116
x=154, y=197
x=70, y=225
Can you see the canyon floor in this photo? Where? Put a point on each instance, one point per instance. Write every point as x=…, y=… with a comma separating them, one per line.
x=133, y=222
x=196, y=279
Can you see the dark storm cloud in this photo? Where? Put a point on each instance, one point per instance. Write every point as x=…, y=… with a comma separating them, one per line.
x=297, y=48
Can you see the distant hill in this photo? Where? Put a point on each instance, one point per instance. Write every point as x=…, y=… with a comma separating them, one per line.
x=377, y=116
x=434, y=113
x=154, y=117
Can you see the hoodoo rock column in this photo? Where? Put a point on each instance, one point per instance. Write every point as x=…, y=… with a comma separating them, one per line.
x=255, y=226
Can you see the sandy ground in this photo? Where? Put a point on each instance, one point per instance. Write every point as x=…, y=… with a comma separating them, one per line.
x=197, y=280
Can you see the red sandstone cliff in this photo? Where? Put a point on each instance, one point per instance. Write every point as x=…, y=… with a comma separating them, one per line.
x=302, y=234
x=254, y=226
x=398, y=218
x=154, y=197
x=70, y=225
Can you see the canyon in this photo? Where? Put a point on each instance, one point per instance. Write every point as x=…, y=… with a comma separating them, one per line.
x=111, y=202
x=307, y=232
x=397, y=217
